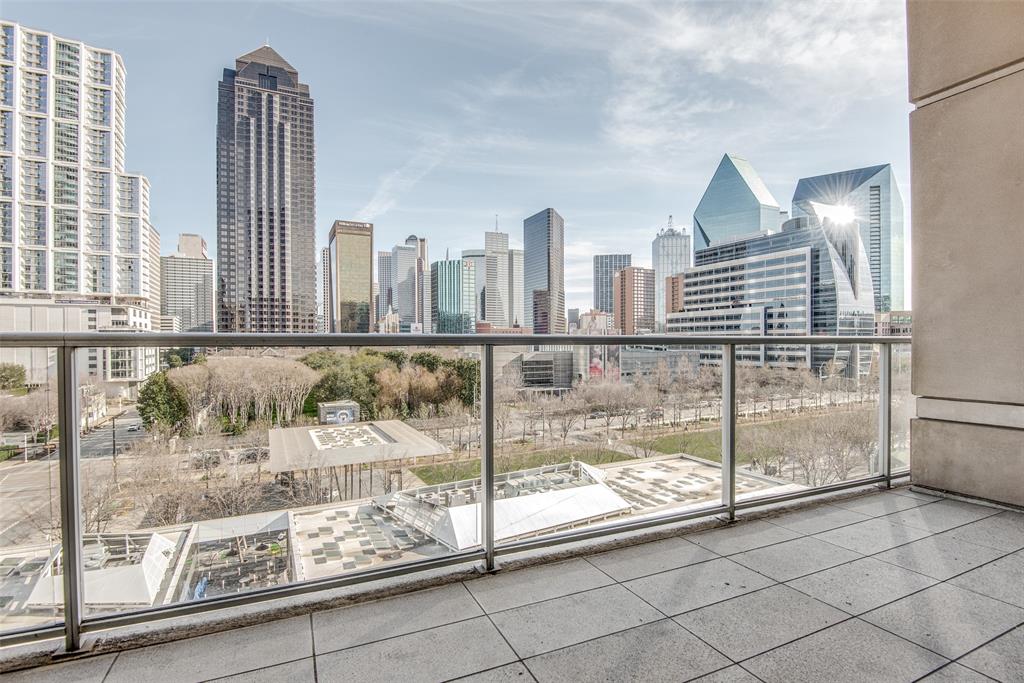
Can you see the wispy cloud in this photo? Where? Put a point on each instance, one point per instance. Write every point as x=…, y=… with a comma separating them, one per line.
x=396, y=183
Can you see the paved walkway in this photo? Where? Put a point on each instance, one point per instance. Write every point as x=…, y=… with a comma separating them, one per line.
x=892, y=586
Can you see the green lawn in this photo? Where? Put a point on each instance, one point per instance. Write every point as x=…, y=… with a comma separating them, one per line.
x=470, y=469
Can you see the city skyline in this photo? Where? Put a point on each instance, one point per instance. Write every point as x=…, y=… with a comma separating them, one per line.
x=616, y=172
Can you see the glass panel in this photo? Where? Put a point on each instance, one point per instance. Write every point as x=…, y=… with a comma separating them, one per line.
x=31, y=586
x=592, y=435
x=252, y=468
x=903, y=407
x=806, y=416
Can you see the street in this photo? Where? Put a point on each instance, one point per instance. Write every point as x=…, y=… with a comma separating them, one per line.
x=100, y=442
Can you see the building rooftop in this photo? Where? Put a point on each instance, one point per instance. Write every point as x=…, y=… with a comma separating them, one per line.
x=296, y=449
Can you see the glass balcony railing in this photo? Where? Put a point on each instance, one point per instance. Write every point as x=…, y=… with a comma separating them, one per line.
x=240, y=473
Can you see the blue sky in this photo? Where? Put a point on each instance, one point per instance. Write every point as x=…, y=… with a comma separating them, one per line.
x=433, y=117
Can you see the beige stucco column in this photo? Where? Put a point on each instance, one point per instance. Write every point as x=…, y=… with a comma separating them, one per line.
x=966, y=62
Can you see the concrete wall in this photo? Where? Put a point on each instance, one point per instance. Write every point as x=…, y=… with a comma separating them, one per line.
x=966, y=66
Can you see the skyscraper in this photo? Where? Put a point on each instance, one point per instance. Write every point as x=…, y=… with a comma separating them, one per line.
x=543, y=272
x=266, y=260
x=605, y=267
x=351, y=277
x=736, y=203
x=479, y=259
x=873, y=198
x=186, y=285
x=410, y=284
x=633, y=293
x=384, y=277
x=323, y=318
x=77, y=249
x=453, y=296
x=670, y=255
x=496, y=279
x=516, y=314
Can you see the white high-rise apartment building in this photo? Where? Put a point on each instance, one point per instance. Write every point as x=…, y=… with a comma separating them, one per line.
x=496, y=275
x=74, y=226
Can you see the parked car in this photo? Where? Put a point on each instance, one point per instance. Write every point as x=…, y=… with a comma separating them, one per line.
x=135, y=428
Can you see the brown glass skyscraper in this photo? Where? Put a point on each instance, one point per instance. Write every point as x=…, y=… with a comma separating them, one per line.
x=350, y=269
x=266, y=260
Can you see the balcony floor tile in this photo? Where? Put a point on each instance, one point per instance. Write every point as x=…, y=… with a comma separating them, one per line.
x=661, y=651
x=301, y=671
x=939, y=556
x=942, y=516
x=545, y=626
x=954, y=673
x=437, y=654
x=502, y=674
x=681, y=590
x=734, y=674
x=850, y=652
x=817, y=519
x=217, y=655
x=1002, y=659
x=878, y=504
x=1002, y=579
x=791, y=559
x=524, y=586
x=350, y=626
x=742, y=536
x=1004, y=531
x=873, y=536
x=88, y=670
x=650, y=558
x=947, y=619
x=862, y=585
x=753, y=623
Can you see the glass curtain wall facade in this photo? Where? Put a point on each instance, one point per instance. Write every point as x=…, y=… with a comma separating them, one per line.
x=479, y=259
x=543, y=272
x=605, y=267
x=810, y=278
x=874, y=198
x=351, y=277
x=266, y=221
x=453, y=296
x=735, y=204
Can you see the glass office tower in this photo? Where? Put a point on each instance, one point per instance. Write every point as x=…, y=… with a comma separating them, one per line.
x=266, y=246
x=351, y=273
x=543, y=272
x=453, y=296
x=735, y=204
x=874, y=199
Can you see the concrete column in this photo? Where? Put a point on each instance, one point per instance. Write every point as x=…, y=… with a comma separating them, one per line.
x=966, y=63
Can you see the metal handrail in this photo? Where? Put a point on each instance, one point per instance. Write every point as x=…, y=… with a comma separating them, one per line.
x=76, y=623
x=231, y=339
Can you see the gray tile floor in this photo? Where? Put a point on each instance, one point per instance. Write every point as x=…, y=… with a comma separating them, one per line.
x=891, y=586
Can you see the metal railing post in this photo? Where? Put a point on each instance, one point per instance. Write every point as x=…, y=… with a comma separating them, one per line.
x=729, y=429
x=885, y=413
x=70, y=518
x=487, y=453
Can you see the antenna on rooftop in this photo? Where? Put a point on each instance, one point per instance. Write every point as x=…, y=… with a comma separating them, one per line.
x=670, y=221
